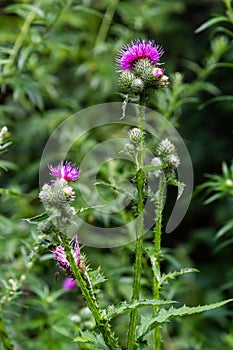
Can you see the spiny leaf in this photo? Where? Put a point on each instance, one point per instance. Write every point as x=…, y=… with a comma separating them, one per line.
x=38, y=218
x=91, y=338
x=172, y=275
x=150, y=322
x=116, y=310
x=83, y=209
x=97, y=277
x=151, y=168
x=115, y=188
x=215, y=99
x=180, y=185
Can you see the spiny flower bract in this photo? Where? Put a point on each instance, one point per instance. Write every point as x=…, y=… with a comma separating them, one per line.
x=66, y=171
x=138, y=49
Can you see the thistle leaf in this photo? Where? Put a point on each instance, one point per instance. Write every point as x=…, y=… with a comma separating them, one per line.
x=91, y=338
x=173, y=275
x=151, y=168
x=211, y=22
x=38, y=218
x=116, y=188
x=116, y=310
x=84, y=209
x=150, y=322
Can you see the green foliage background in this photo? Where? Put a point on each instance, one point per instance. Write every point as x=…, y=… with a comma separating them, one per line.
x=56, y=58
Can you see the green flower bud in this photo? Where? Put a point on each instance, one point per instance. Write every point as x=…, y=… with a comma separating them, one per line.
x=156, y=161
x=135, y=135
x=165, y=147
x=126, y=79
x=137, y=85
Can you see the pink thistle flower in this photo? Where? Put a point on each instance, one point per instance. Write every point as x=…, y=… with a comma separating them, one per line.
x=69, y=283
x=60, y=256
x=137, y=50
x=65, y=171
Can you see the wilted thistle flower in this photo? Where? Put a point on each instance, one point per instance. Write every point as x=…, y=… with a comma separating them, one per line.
x=69, y=283
x=66, y=171
x=138, y=49
x=60, y=256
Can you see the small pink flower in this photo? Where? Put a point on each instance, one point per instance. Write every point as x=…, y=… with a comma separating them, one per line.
x=158, y=72
x=66, y=171
x=69, y=283
x=137, y=50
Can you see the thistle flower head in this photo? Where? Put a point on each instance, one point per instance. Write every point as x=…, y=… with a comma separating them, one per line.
x=137, y=50
x=66, y=171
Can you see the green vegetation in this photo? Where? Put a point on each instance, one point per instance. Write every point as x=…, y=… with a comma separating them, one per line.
x=56, y=59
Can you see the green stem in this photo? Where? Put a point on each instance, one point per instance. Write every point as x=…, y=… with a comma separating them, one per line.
x=7, y=345
x=105, y=25
x=140, y=177
x=19, y=42
x=84, y=282
x=157, y=254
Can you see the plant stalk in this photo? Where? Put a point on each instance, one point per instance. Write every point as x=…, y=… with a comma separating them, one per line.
x=157, y=254
x=140, y=178
x=84, y=282
x=19, y=42
x=105, y=25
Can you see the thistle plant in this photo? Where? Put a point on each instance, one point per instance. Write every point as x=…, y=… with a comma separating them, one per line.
x=140, y=74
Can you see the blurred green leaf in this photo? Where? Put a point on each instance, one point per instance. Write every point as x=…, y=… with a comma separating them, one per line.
x=211, y=22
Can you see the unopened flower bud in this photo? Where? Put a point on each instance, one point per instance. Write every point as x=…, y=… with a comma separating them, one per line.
x=46, y=227
x=129, y=148
x=158, y=72
x=126, y=79
x=137, y=85
x=174, y=160
x=164, y=81
x=166, y=150
x=135, y=135
x=165, y=147
x=156, y=161
x=56, y=201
